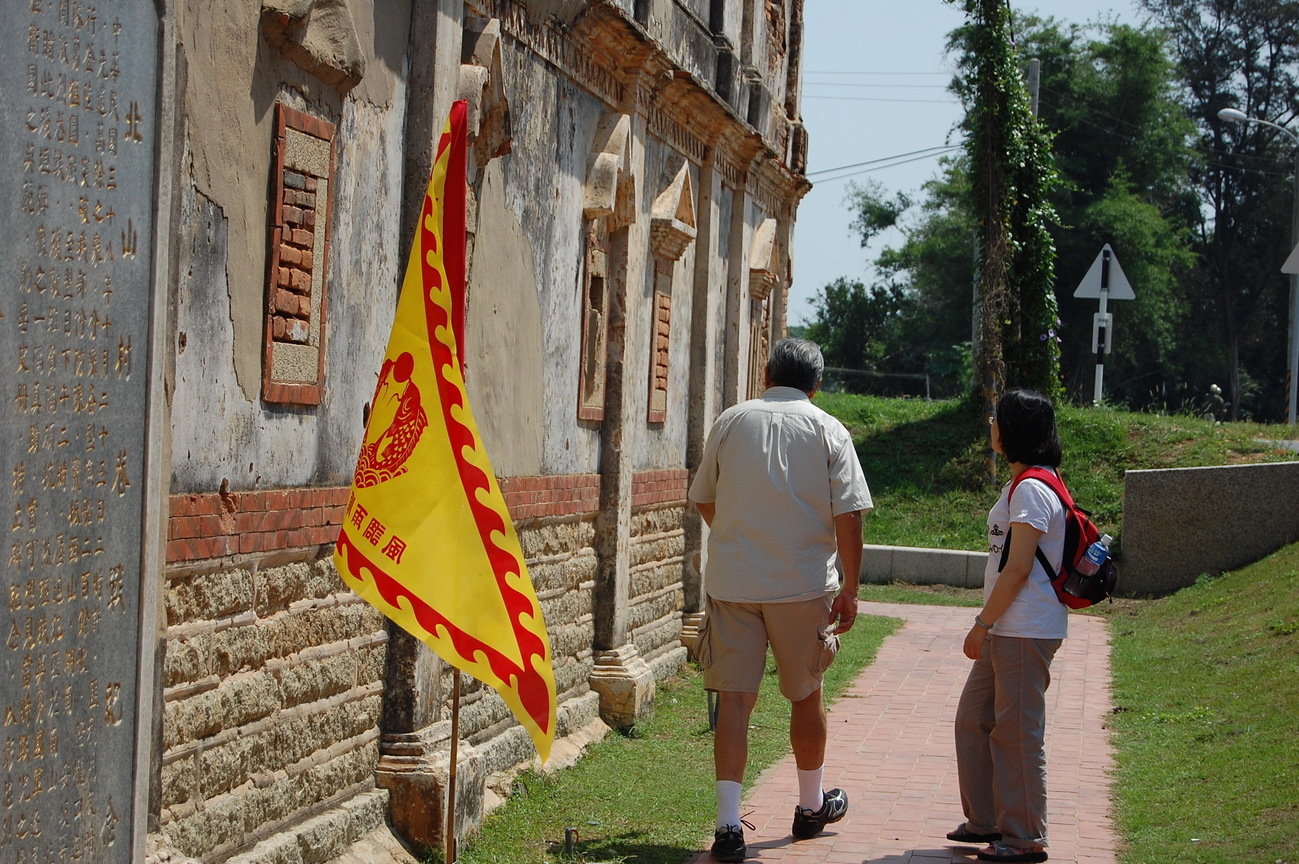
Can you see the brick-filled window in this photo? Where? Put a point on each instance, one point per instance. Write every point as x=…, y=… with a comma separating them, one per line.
x=302, y=163
x=660, y=336
x=759, y=346
x=595, y=330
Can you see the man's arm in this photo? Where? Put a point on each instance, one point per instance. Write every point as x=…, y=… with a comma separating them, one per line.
x=847, y=537
x=707, y=509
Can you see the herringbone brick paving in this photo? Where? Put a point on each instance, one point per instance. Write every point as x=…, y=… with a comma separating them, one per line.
x=891, y=748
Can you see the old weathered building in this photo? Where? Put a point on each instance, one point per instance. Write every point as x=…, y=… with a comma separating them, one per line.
x=634, y=175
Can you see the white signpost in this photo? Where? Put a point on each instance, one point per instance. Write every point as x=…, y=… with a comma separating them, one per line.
x=1291, y=268
x=1106, y=281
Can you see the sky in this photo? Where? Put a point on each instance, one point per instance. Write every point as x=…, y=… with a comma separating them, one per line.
x=875, y=75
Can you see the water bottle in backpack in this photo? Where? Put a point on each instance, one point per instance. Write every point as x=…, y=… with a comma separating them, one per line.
x=1088, y=565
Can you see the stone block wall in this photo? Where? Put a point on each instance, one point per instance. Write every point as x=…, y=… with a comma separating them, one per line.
x=657, y=594
x=272, y=680
x=1180, y=523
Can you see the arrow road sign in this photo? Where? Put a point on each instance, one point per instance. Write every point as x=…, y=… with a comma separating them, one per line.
x=1119, y=287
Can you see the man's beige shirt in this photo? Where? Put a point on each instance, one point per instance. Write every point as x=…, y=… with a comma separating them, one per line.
x=779, y=470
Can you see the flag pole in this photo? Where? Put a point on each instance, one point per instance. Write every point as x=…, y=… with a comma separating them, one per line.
x=451, y=777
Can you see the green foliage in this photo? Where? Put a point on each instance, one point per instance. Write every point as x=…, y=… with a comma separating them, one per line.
x=1242, y=54
x=1121, y=139
x=649, y=798
x=855, y=325
x=1208, y=762
x=1014, y=176
x=874, y=212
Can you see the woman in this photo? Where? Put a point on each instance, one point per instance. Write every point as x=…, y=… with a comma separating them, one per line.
x=1001, y=719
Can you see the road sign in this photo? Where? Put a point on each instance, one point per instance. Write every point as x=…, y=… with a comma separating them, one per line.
x=1291, y=265
x=1100, y=275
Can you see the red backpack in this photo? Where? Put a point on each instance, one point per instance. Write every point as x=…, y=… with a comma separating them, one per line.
x=1079, y=533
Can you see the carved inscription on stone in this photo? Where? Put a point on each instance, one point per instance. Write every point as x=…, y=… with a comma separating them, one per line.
x=77, y=156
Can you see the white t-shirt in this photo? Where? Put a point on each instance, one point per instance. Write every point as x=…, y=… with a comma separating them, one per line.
x=779, y=470
x=1036, y=612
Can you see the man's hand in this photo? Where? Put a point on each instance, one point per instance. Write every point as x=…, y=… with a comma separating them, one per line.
x=843, y=612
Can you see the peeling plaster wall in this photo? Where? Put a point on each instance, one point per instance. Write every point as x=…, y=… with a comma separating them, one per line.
x=542, y=182
x=504, y=338
x=663, y=445
x=234, y=77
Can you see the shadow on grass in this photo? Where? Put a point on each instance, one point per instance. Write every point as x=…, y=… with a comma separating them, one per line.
x=629, y=847
x=937, y=454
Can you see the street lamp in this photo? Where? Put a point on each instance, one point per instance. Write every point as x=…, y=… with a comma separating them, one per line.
x=1231, y=115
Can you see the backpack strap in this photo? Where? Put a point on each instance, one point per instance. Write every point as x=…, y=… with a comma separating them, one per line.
x=1041, y=556
x=1051, y=479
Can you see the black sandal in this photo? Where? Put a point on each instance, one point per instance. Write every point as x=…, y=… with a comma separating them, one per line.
x=1010, y=855
x=965, y=835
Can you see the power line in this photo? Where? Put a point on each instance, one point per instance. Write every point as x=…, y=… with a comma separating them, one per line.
x=890, y=74
x=881, y=167
x=882, y=99
x=926, y=150
x=889, y=86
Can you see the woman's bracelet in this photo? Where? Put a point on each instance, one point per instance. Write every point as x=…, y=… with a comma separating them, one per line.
x=979, y=621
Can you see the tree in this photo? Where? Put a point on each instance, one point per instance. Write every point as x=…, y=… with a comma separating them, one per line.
x=1012, y=177
x=1242, y=54
x=1121, y=141
x=856, y=326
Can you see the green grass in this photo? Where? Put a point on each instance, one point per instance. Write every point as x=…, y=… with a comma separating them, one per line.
x=928, y=595
x=925, y=461
x=647, y=797
x=1206, y=689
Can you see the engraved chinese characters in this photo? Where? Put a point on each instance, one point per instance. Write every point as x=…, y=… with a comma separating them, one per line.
x=77, y=153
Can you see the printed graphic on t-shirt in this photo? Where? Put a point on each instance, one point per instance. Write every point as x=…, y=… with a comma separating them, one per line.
x=995, y=531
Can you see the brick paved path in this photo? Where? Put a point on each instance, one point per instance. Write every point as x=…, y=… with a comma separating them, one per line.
x=891, y=749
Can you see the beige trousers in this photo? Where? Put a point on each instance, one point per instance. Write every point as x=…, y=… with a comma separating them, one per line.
x=1000, y=754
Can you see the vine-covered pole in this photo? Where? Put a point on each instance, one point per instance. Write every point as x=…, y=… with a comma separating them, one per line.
x=1013, y=175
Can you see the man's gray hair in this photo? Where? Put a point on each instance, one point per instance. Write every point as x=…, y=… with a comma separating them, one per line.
x=795, y=363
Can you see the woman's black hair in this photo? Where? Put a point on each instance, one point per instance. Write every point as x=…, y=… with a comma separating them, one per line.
x=1026, y=422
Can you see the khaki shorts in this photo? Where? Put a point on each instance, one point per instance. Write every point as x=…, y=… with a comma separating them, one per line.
x=734, y=637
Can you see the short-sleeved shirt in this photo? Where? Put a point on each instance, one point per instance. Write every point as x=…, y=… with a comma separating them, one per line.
x=1036, y=612
x=778, y=469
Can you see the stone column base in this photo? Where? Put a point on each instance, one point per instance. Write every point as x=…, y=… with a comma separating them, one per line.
x=417, y=772
x=690, y=624
x=625, y=683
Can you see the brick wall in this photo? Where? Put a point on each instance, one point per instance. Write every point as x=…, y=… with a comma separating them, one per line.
x=225, y=524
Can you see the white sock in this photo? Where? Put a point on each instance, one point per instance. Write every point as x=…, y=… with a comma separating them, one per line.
x=810, y=794
x=728, y=803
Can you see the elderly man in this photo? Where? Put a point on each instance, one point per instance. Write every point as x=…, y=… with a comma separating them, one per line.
x=782, y=491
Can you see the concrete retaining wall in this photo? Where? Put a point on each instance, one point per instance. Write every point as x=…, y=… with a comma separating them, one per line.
x=919, y=566
x=1181, y=523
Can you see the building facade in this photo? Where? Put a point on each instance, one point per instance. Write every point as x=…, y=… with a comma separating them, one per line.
x=635, y=168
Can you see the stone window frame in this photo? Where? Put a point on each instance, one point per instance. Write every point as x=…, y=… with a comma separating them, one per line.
x=299, y=222
x=764, y=275
x=595, y=331
x=660, y=337
x=672, y=230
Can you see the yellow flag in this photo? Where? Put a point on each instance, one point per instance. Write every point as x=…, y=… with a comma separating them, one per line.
x=426, y=537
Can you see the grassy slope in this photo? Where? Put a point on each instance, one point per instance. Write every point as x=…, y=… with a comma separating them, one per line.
x=924, y=461
x=1206, y=689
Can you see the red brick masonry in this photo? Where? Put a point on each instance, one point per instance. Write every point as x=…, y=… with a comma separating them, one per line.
x=224, y=524
x=219, y=525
